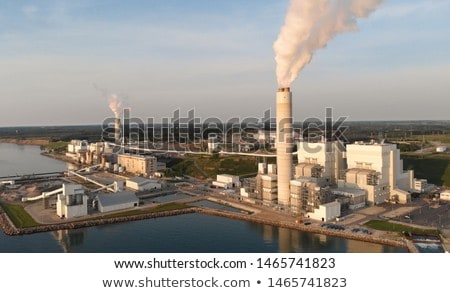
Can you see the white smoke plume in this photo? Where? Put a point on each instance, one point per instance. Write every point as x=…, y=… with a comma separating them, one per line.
x=115, y=104
x=310, y=25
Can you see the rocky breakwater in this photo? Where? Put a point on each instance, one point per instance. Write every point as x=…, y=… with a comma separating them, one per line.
x=9, y=228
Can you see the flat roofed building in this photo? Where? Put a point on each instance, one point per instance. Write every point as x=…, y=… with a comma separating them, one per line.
x=326, y=212
x=227, y=181
x=141, y=184
x=320, y=159
x=377, y=168
x=108, y=202
x=136, y=164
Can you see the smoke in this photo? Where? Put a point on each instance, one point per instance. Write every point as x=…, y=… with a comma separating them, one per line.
x=115, y=104
x=114, y=101
x=310, y=25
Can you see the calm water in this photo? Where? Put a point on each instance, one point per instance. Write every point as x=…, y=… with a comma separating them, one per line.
x=185, y=233
x=26, y=159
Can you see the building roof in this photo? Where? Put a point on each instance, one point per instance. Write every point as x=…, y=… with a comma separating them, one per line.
x=269, y=177
x=142, y=157
x=111, y=199
x=331, y=204
x=360, y=171
x=227, y=175
x=139, y=180
x=346, y=191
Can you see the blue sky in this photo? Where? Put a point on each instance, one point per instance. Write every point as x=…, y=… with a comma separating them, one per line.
x=215, y=57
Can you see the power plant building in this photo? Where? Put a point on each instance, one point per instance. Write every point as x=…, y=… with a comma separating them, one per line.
x=109, y=202
x=326, y=212
x=72, y=202
x=136, y=164
x=320, y=162
x=378, y=169
x=141, y=184
x=268, y=188
x=226, y=181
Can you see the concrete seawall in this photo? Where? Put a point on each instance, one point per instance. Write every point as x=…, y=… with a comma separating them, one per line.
x=309, y=229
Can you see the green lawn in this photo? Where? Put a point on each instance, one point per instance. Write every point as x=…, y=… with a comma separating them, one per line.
x=394, y=227
x=209, y=166
x=435, y=167
x=443, y=138
x=57, y=146
x=19, y=216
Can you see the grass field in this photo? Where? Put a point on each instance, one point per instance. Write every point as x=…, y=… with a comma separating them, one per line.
x=394, y=227
x=204, y=167
x=433, y=167
x=443, y=138
x=57, y=146
x=19, y=216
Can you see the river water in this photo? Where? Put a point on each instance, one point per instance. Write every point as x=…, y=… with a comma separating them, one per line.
x=185, y=233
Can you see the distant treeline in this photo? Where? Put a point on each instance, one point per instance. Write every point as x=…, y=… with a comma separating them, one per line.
x=354, y=130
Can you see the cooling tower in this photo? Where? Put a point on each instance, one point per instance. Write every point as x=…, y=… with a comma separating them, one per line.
x=285, y=143
x=117, y=131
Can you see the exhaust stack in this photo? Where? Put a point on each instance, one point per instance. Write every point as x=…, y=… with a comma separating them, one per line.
x=285, y=143
x=117, y=131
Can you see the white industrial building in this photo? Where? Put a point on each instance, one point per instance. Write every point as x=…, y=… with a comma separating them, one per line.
x=304, y=195
x=109, y=202
x=420, y=185
x=226, y=181
x=326, y=212
x=72, y=202
x=320, y=162
x=268, y=188
x=141, y=184
x=354, y=198
x=378, y=169
x=445, y=195
x=75, y=146
x=143, y=165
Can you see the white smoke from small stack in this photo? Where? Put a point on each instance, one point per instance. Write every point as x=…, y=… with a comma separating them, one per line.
x=115, y=104
x=309, y=25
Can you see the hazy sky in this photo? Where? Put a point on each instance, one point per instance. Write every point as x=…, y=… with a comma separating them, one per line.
x=215, y=57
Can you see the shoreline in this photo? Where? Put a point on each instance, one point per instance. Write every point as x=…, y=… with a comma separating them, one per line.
x=10, y=230
x=30, y=141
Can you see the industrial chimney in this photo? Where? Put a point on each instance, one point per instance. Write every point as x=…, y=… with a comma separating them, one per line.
x=117, y=131
x=285, y=143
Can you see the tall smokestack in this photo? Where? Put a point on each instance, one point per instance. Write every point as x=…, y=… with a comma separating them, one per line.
x=117, y=131
x=285, y=143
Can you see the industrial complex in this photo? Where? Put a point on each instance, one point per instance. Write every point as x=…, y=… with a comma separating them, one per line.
x=319, y=181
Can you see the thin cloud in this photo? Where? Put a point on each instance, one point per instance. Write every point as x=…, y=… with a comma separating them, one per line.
x=400, y=10
x=30, y=10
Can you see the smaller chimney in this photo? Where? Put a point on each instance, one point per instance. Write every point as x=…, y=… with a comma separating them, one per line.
x=117, y=131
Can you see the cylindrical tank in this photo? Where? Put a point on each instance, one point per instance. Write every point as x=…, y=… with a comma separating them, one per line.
x=284, y=144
